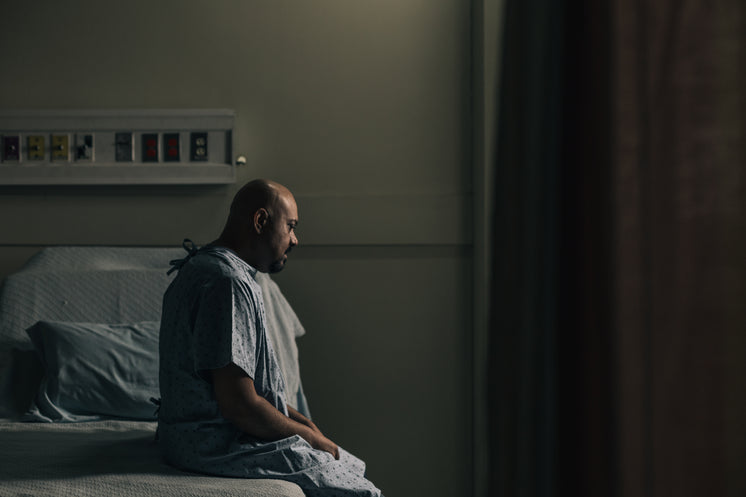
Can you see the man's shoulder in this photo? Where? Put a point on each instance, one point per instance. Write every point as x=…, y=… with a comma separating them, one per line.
x=219, y=266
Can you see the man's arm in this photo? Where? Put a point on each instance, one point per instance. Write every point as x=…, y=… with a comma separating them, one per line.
x=253, y=414
x=296, y=416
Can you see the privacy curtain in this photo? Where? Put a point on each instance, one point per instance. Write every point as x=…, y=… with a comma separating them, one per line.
x=679, y=254
x=522, y=380
x=617, y=356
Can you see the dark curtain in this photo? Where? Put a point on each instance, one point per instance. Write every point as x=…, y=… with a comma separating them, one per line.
x=679, y=259
x=617, y=346
x=522, y=381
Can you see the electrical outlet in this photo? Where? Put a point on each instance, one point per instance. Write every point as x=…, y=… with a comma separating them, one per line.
x=171, y=148
x=150, y=147
x=84, y=147
x=123, y=147
x=11, y=148
x=198, y=147
x=61, y=148
x=35, y=147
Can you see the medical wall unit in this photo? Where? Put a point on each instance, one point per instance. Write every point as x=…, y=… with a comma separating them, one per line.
x=117, y=147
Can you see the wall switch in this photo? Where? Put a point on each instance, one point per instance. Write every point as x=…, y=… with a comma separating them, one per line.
x=61, y=148
x=35, y=147
x=198, y=147
x=171, y=148
x=84, y=147
x=11, y=148
x=123, y=147
x=150, y=147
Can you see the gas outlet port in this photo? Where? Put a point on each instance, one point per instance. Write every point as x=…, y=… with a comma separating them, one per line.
x=35, y=147
x=11, y=148
x=61, y=147
x=84, y=147
x=171, y=147
x=150, y=147
x=198, y=146
x=123, y=149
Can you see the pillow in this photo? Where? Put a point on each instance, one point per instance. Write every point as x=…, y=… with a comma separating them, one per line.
x=95, y=371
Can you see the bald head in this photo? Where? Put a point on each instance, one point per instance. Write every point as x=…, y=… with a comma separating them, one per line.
x=254, y=195
x=261, y=224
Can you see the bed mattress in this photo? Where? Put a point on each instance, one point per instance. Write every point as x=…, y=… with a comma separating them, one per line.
x=106, y=458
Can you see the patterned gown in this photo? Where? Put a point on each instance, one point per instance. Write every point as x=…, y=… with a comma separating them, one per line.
x=213, y=314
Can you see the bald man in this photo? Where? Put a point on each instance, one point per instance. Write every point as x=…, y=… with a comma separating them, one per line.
x=223, y=407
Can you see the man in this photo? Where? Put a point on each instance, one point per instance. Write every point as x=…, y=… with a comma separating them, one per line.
x=223, y=408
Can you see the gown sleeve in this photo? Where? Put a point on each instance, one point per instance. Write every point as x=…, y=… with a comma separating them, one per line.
x=225, y=330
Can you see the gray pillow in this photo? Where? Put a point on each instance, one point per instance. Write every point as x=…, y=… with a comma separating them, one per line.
x=95, y=371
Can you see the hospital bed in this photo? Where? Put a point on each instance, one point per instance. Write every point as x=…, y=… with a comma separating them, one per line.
x=78, y=369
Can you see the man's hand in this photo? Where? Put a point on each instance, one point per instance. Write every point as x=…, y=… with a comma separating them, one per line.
x=240, y=404
x=320, y=442
x=297, y=416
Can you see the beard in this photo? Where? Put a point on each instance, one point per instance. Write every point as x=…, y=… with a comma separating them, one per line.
x=277, y=265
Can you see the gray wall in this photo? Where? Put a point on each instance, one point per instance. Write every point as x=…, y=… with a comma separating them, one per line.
x=361, y=108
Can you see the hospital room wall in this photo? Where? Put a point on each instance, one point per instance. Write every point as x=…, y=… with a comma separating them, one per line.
x=362, y=109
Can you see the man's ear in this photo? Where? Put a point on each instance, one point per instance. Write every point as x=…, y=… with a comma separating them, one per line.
x=261, y=216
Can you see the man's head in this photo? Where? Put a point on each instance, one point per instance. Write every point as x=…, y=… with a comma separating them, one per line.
x=261, y=225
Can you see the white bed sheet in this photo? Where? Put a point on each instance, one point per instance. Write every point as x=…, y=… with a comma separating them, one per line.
x=106, y=458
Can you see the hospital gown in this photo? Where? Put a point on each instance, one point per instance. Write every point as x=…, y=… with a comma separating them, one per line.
x=213, y=314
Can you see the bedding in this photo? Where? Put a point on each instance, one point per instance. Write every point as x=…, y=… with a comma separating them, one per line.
x=94, y=370
x=108, y=285
x=107, y=458
x=77, y=328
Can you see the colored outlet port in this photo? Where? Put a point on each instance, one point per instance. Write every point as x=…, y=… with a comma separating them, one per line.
x=171, y=147
x=35, y=147
x=84, y=147
x=150, y=147
x=61, y=148
x=123, y=147
x=11, y=148
x=198, y=147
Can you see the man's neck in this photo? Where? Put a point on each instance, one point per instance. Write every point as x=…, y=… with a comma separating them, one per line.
x=242, y=249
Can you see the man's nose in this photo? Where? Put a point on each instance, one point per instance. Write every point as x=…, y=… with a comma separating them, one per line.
x=293, y=240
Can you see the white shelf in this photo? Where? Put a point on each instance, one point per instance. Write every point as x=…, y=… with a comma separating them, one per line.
x=218, y=168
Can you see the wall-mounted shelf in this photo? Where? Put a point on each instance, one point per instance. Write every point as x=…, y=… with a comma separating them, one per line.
x=117, y=147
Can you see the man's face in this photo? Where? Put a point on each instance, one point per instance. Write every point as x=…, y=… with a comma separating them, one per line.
x=280, y=232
